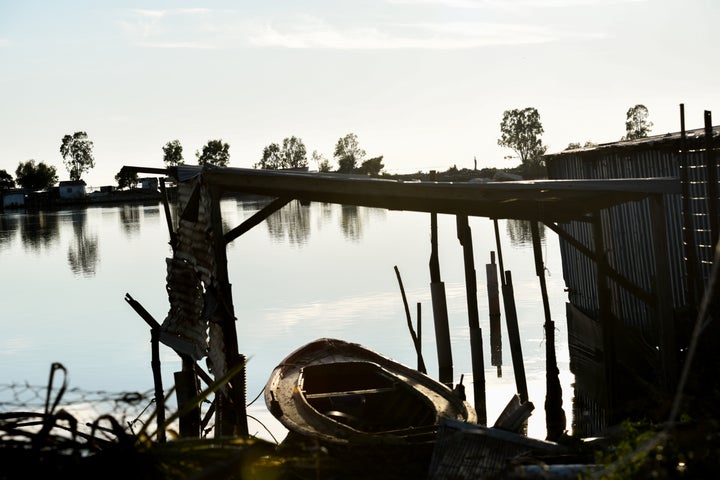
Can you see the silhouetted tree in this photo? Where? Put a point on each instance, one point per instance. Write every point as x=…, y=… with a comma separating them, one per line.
x=520, y=131
x=271, y=158
x=348, y=153
x=172, y=153
x=372, y=166
x=126, y=178
x=215, y=152
x=637, y=124
x=576, y=145
x=292, y=155
x=76, y=150
x=35, y=177
x=323, y=164
x=6, y=180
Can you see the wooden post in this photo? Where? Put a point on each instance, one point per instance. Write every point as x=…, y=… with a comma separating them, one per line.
x=694, y=283
x=514, y=337
x=186, y=390
x=168, y=218
x=712, y=179
x=663, y=292
x=605, y=316
x=493, y=290
x=440, y=315
x=419, y=337
x=415, y=338
x=157, y=376
x=155, y=331
x=555, y=420
x=498, y=245
x=512, y=323
x=232, y=415
x=476, y=348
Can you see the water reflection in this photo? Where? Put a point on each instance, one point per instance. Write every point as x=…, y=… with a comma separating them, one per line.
x=350, y=222
x=520, y=234
x=8, y=228
x=292, y=222
x=40, y=230
x=83, y=250
x=130, y=219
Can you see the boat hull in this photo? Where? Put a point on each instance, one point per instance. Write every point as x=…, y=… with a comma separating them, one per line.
x=343, y=393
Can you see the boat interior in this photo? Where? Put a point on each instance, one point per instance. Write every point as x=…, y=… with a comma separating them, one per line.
x=365, y=397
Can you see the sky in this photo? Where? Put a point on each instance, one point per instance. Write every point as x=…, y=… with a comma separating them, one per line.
x=422, y=82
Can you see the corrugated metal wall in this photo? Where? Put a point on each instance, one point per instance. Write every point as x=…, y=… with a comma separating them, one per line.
x=628, y=233
x=628, y=244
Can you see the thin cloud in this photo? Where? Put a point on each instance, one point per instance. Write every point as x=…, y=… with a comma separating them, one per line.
x=185, y=28
x=206, y=29
x=511, y=4
x=4, y=42
x=438, y=36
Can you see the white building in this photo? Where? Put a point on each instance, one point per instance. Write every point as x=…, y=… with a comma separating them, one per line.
x=72, y=189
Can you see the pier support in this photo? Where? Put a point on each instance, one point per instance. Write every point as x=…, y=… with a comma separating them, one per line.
x=555, y=420
x=440, y=315
x=476, y=347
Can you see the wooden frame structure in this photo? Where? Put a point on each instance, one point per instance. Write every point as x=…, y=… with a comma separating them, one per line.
x=551, y=202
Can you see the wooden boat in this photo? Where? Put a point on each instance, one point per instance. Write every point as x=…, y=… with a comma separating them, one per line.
x=345, y=394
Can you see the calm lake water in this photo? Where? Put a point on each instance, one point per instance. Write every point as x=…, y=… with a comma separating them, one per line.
x=310, y=271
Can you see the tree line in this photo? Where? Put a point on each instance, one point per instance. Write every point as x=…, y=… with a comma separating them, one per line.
x=520, y=130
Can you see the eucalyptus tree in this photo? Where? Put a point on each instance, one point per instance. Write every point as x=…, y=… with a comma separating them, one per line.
x=292, y=154
x=637, y=124
x=215, y=152
x=348, y=153
x=173, y=153
x=323, y=164
x=77, y=153
x=520, y=131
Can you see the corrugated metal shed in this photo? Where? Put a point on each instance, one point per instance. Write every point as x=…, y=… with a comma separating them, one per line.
x=630, y=250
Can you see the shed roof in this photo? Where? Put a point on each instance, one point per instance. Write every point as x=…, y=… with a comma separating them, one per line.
x=694, y=138
x=544, y=200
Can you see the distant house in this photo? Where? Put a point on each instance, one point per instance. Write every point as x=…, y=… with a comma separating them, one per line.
x=72, y=189
x=13, y=198
x=148, y=183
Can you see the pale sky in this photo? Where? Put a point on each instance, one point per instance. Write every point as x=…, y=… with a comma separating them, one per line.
x=422, y=82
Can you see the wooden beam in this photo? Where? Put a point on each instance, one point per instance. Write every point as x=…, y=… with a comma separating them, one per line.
x=613, y=274
x=256, y=219
x=547, y=200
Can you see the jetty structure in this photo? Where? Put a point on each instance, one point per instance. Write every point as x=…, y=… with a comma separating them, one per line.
x=201, y=318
